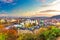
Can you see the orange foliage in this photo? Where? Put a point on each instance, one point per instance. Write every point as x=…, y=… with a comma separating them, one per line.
x=13, y=32
x=7, y=31
x=2, y=26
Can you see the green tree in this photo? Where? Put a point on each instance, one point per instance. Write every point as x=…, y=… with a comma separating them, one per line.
x=2, y=36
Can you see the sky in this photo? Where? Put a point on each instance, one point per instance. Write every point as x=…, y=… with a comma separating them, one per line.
x=29, y=7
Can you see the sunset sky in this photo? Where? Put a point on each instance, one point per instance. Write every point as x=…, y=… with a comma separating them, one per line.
x=29, y=7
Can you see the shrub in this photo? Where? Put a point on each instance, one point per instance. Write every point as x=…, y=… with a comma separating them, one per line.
x=26, y=36
x=50, y=34
x=2, y=36
x=11, y=35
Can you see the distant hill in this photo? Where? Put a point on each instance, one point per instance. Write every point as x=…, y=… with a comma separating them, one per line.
x=57, y=16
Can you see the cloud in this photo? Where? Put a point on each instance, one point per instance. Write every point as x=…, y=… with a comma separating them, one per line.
x=7, y=1
x=49, y=9
x=41, y=0
x=56, y=2
x=48, y=13
x=3, y=15
x=55, y=5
